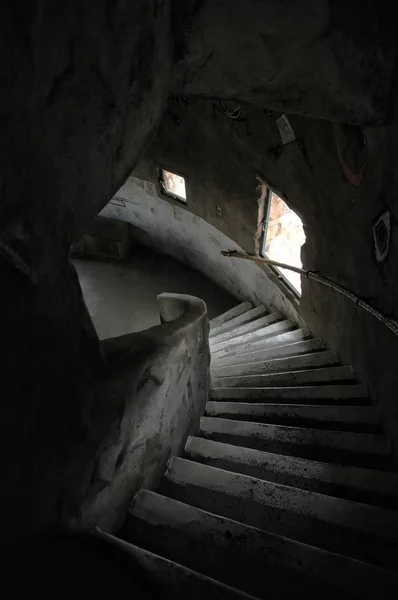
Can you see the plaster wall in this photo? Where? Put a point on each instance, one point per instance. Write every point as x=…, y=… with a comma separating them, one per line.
x=174, y=230
x=121, y=297
x=153, y=393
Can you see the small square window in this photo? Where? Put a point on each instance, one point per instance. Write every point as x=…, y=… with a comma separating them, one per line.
x=283, y=237
x=173, y=185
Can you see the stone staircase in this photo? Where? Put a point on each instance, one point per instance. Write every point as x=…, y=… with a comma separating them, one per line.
x=288, y=487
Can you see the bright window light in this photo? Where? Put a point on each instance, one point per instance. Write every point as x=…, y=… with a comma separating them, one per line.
x=174, y=185
x=283, y=237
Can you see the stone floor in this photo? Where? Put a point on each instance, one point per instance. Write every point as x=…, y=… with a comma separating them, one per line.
x=121, y=296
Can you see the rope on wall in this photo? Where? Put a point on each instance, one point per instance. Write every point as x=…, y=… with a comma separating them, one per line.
x=390, y=323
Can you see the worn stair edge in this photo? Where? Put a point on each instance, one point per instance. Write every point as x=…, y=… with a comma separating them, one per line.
x=167, y=574
x=247, y=328
x=230, y=314
x=362, y=415
x=251, y=433
x=174, y=526
x=263, y=333
x=246, y=317
x=288, y=378
x=260, y=464
x=318, y=392
x=275, y=337
x=254, y=360
x=363, y=518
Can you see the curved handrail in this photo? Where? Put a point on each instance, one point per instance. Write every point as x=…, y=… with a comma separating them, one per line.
x=181, y=309
x=177, y=311
x=153, y=392
x=387, y=321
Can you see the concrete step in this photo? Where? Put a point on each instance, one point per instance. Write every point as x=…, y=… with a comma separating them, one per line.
x=240, y=341
x=247, y=328
x=246, y=317
x=230, y=314
x=342, y=447
x=355, y=483
x=269, y=354
x=288, y=378
x=353, y=394
x=350, y=528
x=351, y=418
x=166, y=576
x=278, y=365
x=262, y=563
x=261, y=345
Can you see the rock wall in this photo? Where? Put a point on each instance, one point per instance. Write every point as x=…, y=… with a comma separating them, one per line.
x=328, y=59
x=83, y=86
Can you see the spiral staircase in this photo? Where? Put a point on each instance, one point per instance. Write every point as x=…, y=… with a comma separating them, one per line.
x=288, y=486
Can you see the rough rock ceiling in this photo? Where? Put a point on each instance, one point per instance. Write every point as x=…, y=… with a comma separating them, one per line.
x=320, y=58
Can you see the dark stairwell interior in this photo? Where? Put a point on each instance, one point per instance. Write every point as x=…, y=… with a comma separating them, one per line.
x=97, y=101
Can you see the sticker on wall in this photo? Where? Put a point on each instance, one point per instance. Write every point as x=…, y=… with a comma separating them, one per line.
x=381, y=236
x=285, y=130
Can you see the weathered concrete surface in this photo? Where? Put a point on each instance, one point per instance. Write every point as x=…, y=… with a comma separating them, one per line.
x=121, y=297
x=83, y=86
x=279, y=365
x=244, y=556
x=237, y=310
x=153, y=394
x=285, y=349
x=294, y=471
x=103, y=238
x=171, y=229
x=170, y=577
x=322, y=58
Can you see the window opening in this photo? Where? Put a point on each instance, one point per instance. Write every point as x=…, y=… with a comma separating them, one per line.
x=283, y=237
x=173, y=185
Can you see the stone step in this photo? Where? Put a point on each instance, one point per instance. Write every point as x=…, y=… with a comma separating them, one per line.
x=262, y=563
x=350, y=528
x=355, y=483
x=277, y=365
x=287, y=378
x=353, y=394
x=230, y=314
x=352, y=418
x=336, y=446
x=274, y=353
x=263, y=334
x=166, y=576
x=246, y=317
x=261, y=345
x=247, y=328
